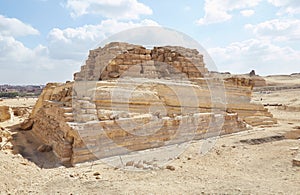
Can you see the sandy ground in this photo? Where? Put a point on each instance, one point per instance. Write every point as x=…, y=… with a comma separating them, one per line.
x=283, y=79
x=18, y=102
x=231, y=167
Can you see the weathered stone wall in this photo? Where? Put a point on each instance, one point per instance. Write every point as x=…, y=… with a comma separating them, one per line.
x=92, y=116
x=117, y=59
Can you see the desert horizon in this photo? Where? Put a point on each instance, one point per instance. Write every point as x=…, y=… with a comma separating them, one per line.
x=225, y=72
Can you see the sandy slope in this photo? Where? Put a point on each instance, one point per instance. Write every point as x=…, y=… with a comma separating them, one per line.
x=283, y=79
x=19, y=102
x=231, y=167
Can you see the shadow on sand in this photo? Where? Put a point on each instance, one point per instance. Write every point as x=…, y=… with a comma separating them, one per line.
x=26, y=144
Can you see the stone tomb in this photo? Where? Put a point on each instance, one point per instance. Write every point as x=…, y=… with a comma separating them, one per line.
x=128, y=98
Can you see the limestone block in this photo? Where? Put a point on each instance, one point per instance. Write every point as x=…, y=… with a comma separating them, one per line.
x=4, y=113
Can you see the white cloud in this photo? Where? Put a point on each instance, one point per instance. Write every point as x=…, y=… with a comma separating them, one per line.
x=12, y=49
x=22, y=65
x=247, y=12
x=74, y=43
x=260, y=55
x=116, y=9
x=16, y=28
x=57, y=61
x=287, y=6
x=217, y=11
x=277, y=29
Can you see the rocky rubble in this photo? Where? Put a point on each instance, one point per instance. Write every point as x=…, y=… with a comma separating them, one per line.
x=5, y=137
x=160, y=91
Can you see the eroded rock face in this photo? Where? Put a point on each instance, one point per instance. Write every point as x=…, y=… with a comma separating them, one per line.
x=4, y=113
x=256, y=80
x=160, y=91
x=117, y=59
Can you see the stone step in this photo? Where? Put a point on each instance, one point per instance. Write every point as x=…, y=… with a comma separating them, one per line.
x=67, y=109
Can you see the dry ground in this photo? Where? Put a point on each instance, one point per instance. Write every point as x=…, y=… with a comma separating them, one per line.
x=231, y=167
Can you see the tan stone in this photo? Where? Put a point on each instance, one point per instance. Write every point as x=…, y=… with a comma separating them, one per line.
x=4, y=113
x=296, y=160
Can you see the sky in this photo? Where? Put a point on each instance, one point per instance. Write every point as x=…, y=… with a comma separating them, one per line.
x=45, y=41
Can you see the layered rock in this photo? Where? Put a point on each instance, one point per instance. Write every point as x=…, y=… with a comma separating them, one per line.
x=128, y=98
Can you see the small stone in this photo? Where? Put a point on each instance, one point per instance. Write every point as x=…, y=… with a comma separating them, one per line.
x=98, y=177
x=7, y=147
x=0, y=139
x=96, y=174
x=114, y=117
x=296, y=161
x=71, y=175
x=223, y=145
x=170, y=167
x=295, y=148
x=24, y=163
x=130, y=163
x=189, y=158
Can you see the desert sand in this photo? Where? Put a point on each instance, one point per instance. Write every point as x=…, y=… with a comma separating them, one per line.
x=256, y=161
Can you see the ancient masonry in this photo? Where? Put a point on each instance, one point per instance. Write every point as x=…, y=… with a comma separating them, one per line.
x=167, y=87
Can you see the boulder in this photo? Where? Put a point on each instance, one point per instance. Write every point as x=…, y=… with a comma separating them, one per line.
x=4, y=113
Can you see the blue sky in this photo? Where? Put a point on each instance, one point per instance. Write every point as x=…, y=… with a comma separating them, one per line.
x=48, y=40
